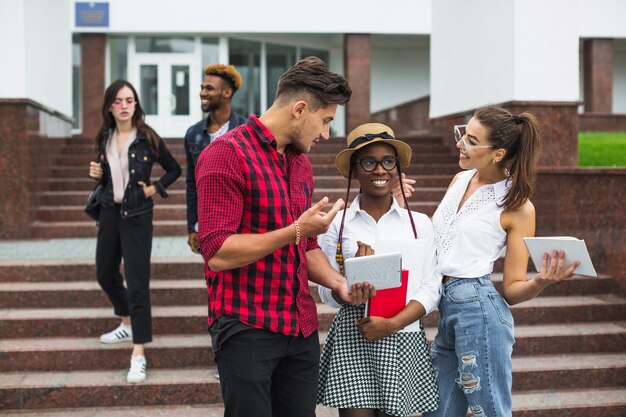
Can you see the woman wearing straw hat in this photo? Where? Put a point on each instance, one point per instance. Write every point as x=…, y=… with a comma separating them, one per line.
x=372, y=366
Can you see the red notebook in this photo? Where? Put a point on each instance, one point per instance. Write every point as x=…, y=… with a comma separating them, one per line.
x=387, y=303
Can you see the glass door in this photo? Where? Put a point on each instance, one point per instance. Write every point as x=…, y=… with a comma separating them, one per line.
x=168, y=90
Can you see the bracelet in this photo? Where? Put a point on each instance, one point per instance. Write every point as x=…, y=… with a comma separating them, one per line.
x=297, y=226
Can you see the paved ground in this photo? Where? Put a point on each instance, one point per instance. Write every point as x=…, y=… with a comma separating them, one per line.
x=83, y=248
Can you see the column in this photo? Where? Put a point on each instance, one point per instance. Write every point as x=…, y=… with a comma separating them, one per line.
x=598, y=73
x=358, y=73
x=92, y=50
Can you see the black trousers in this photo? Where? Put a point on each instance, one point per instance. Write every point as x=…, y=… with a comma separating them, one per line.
x=130, y=239
x=265, y=374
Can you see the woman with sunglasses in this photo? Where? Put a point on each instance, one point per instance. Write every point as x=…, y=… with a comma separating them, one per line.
x=127, y=147
x=373, y=366
x=485, y=212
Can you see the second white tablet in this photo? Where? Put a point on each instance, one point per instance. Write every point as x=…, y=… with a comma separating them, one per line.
x=382, y=271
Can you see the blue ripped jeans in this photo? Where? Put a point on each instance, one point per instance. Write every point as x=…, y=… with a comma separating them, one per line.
x=472, y=351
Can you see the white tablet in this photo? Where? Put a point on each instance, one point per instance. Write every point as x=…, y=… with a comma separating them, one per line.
x=382, y=271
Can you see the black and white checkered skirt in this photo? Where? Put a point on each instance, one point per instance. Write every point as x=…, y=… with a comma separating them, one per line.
x=393, y=375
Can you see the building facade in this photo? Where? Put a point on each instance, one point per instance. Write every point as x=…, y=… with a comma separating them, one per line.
x=477, y=52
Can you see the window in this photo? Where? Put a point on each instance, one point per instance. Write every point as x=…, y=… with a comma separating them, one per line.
x=149, y=89
x=323, y=55
x=246, y=57
x=279, y=59
x=210, y=52
x=180, y=90
x=163, y=44
x=118, y=53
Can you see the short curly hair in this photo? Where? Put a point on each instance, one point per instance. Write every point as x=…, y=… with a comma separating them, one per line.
x=226, y=72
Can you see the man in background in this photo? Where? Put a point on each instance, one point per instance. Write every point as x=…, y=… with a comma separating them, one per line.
x=219, y=85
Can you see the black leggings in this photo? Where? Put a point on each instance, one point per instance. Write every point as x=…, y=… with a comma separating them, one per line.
x=130, y=239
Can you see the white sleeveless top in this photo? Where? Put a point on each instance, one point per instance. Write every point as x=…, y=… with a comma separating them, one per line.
x=471, y=240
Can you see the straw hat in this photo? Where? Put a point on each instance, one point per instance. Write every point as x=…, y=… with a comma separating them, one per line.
x=366, y=134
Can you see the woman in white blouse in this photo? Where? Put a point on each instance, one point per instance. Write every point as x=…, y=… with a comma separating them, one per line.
x=485, y=212
x=374, y=366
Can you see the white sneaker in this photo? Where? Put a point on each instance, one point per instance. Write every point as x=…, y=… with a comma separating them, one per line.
x=137, y=371
x=123, y=333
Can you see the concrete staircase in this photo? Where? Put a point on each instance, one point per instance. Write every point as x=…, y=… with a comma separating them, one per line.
x=569, y=356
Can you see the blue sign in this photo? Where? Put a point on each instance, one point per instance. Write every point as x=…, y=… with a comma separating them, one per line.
x=91, y=14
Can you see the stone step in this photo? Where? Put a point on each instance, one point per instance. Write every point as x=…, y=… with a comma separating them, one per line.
x=50, y=271
x=192, y=267
x=449, y=168
x=191, y=291
x=575, y=371
x=86, y=228
x=81, y=155
x=169, y=219
x=412, y=138
x=42, y=322
x=83, y=159
x=58, y=205
x=85, y=184
x=419, y=144
x=39, y=390
x=316, y=158
x=610, y=402
x=78, y=389
x=162, y=211
x=195, y=410
x=194, y=350
x=83, y=294
x=604, y=402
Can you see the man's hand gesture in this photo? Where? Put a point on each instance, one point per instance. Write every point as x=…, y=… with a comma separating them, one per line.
x=314, y=221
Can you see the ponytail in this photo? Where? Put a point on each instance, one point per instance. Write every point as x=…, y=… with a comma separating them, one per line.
x=519, y=137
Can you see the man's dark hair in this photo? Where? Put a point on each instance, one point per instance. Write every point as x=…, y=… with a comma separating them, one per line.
x=311, y=76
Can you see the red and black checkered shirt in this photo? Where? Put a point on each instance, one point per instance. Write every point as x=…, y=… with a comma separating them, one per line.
x=245, y=186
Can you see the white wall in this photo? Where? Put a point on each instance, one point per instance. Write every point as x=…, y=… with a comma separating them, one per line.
x=600, y=18
x=48, y=43
x=400, y=70
x=504, y=50
x=36, y=51
x=279, y=16
x=546, y=51
x=12, y=51
x=472, y=54
x=619, y=76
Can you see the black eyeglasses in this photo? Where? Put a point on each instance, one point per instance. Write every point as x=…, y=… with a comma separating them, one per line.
x=370, y=164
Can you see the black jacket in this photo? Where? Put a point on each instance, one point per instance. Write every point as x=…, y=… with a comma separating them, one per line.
x=196, y=139
x=140, y=161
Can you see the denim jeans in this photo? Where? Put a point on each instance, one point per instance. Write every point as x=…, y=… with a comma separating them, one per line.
x=472, y=351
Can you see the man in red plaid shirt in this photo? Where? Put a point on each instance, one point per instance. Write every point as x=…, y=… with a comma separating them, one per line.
x=257, y=234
